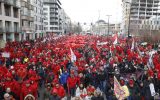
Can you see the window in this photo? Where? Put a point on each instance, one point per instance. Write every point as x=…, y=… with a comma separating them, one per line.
x=45, y=9
x=45, y=28
x=36, y=27
x=7, y=10
x=46, y=23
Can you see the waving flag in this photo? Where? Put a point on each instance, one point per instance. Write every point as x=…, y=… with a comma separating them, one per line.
x=115, y=37
x=132, y=48
x=150, y=60
x=140, y=53
x=73, y=56
x=119, y=92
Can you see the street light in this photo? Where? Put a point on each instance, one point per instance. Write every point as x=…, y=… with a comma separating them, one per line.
x=129, y=18
x=108, y=22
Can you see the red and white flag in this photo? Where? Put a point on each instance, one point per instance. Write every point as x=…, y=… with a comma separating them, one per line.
x=119, y=92
x=73, y=56
x=115, y=38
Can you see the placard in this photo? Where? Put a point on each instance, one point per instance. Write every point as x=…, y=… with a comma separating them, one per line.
x=6, y=54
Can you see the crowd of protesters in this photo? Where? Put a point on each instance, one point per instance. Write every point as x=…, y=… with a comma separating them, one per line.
x=46, y=63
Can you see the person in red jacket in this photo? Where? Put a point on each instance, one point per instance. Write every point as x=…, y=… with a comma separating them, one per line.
x=26, y=89
x=71, y=83
x=60, y=90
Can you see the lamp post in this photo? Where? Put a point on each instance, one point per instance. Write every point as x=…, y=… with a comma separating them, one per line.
x=129, y=16
x=108, y=22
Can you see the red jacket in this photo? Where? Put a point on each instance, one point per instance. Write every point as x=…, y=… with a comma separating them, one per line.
x=72, y=82
x=60, y=91
x=25, y=91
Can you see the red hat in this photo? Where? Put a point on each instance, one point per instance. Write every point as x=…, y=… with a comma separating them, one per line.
x=55, y=81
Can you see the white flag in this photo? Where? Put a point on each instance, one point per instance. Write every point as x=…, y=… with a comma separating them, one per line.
x=153, y=93
x=73, y=56
x=132, y=48
x=115, y=37
x=150, y=60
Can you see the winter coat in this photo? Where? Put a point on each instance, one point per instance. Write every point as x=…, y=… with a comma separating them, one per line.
x=46, y=94
x=72, y=82
x=63, y=78
x=60, y=91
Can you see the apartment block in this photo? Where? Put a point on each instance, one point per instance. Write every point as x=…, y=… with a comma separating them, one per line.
x=10, y=20
x=134, y=11
x=27, y=19
x=38, y=19
x=52, y=19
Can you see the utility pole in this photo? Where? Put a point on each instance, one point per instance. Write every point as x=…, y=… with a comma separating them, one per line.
x=108, y=22
x=129, y=17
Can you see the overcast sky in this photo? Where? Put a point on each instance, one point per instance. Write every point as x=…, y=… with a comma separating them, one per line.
x=88, y=10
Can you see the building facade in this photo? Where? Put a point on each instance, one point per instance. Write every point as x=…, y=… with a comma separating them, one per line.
x=151, y=25
x=101, y=28
x=38, y=19
x=9, y=20
x=134, y=11
x=27, y=19
x=52, y=19
x=65, y=22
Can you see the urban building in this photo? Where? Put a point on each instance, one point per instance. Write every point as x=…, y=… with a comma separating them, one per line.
x=101, y=28
x=151, y=25
x=9, y=21
x=134, y=11
x=38, y=19
x=52, y=19
x=27, y=19
x=65, y=22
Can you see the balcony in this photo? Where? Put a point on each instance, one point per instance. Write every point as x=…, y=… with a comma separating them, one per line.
x=27, y=28
x=31, y=19
x=54, y=20
x=14, y=3
x=25, y=17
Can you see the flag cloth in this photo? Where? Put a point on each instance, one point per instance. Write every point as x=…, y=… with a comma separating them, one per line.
x=73, y=56
x=150, y=60
x=115, y=37
x=139, y=52
x=119, y=92
x=132, y=48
